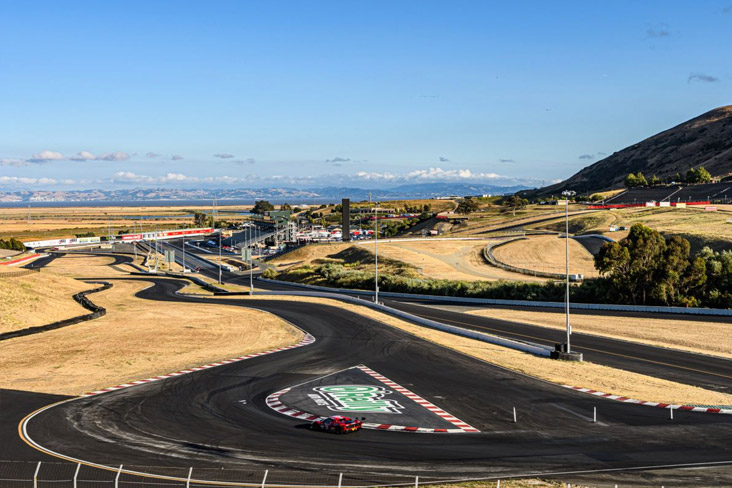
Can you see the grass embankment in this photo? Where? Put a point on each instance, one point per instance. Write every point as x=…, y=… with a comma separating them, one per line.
x=699, y=227
x=136, y=339
x=38, y=299
x=691, y=334
x=547, y=253
x=447, y=259
x=585, y=374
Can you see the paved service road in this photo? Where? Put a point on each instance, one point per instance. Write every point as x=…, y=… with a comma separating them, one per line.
x=218, y=416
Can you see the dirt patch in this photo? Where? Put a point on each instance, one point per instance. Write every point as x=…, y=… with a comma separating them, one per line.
x=447, y=259
x=547, y=254
x=38, y=299
x=137, y=339
x=693, y=335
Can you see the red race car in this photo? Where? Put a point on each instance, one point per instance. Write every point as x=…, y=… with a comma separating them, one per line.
x=337, y=424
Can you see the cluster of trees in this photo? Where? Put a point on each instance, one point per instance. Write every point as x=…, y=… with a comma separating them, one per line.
x=638, y=179
x=12, y=243
x=647, y=269
x=467, y=205
x=261, y=206
x=693, y=176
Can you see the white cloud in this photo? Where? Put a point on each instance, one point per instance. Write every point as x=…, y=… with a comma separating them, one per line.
x=130, y=177
x=223, y=155
x=114, y=156
x=176, y=157
x=83, y=156
x=152, y=155
x=45, y=156
x=13, y=162
x=18, y=180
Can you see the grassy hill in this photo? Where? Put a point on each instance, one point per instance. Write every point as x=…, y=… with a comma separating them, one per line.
x=702, y=141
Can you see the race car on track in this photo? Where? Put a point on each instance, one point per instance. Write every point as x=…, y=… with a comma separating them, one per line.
x=338, y=424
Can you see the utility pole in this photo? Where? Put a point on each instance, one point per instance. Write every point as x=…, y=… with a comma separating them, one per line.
x=220, y=256
x=184, y=251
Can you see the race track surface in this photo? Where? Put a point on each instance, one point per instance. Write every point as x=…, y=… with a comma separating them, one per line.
x=219, y=416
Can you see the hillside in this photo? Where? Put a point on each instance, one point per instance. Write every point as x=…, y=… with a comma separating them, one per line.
x=702, y=141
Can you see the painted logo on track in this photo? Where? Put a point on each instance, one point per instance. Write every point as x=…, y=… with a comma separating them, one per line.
x=355, y=398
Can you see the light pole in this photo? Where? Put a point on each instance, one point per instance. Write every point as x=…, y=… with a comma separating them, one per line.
x=220, y=256
x=376, y=253
x=567, y=194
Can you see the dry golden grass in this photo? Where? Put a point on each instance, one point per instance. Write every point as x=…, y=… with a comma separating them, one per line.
x=447, y=259
x=137, y=339
x=7, y=253
x=585, y=374
x=527, y=483
x=547, y=253
x=308, y=254
x=692, y=334
x=38, y=299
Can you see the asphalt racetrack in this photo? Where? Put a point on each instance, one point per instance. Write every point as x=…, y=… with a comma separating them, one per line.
x=220, y=417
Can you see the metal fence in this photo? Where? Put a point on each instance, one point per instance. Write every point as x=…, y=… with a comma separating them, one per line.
x=19, y=272
x=25, y=474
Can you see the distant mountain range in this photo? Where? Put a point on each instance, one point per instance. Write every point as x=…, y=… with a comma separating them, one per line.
x=292, y=195
x=705, y=141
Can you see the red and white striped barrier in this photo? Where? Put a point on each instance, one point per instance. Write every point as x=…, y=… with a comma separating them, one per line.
x=688, y=408
x=308, y=339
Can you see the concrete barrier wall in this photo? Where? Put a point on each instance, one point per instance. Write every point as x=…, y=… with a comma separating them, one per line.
x=523, y=303
x=536, y=349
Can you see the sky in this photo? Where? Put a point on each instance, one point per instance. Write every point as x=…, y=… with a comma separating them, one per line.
x=372, y=94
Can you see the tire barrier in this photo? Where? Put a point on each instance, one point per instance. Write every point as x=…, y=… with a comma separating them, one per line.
x=81, y=299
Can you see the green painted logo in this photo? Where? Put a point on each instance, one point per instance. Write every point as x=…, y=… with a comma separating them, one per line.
x=356, y=398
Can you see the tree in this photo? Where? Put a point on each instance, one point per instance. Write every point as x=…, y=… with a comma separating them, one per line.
x=262, y=206
x=654, y=181
x=632, y=264
x=702, y=175
x=466, y=206
x=200, y=219
x=631, y=181
x=641, y=179
x=285, y=206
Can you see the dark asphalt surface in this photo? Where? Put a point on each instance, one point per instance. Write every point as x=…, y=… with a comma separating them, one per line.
x=199, y=418
x=709, y=372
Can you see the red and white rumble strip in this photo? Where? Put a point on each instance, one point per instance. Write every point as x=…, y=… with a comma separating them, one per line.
x=689, y=408
x=273, y=401
x=308, y=339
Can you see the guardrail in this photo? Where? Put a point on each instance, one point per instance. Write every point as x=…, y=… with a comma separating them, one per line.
x=524, y=346
x=520, y=303
x=491, y=259
x=81, y=299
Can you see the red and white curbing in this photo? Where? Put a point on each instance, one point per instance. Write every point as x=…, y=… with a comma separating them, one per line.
x=688, y=408
x=273, y=401
x=308, y=339
x=15, y=262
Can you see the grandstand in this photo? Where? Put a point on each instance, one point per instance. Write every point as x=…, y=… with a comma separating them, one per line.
x=713, y=192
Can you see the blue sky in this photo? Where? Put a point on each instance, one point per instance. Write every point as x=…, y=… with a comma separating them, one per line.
x=362, y=93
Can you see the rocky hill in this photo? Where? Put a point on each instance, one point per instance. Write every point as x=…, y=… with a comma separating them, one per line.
x=702, y=141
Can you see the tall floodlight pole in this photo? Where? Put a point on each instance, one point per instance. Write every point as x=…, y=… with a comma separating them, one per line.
x=184, y=252
x=220, y=256
x=567, y=194
x=376, y=253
